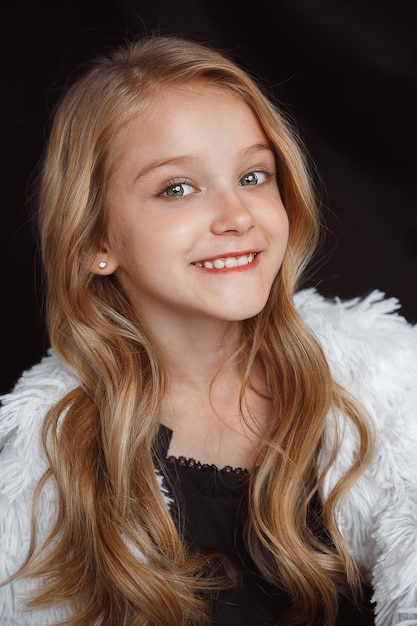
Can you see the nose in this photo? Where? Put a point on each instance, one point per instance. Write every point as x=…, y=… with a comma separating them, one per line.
x=231, y=216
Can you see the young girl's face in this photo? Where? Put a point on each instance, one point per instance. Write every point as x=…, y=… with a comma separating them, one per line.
x=196, y=226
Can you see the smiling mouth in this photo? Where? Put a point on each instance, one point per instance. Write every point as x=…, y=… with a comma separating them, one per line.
x=227, y=262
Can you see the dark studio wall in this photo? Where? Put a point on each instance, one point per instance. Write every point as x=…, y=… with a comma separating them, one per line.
x=344, y=70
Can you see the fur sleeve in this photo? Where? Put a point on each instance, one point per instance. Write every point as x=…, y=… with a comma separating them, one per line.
x=372, y=352
x=22, y=463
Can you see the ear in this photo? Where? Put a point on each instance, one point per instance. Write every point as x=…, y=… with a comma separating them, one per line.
x=103, y=262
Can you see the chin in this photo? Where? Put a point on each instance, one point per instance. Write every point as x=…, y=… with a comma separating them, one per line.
x=246, y=314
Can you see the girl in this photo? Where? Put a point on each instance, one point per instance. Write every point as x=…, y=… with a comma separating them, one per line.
x=204, y=443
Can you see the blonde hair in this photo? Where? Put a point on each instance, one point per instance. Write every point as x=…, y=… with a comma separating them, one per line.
x=98, y=438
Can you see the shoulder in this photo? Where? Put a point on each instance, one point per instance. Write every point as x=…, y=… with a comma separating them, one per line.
x=36, y=391
x=372, y=352
x=22, y=463
x=22, y=412
x=341, y=324
x=371, y=349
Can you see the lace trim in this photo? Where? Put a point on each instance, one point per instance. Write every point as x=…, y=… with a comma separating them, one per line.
x=184, y=462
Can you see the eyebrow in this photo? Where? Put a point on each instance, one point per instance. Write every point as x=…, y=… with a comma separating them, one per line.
x=180, y=160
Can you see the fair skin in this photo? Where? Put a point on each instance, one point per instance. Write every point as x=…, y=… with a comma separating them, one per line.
x=196, y=235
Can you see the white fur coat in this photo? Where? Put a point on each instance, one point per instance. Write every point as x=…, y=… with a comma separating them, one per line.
x=372, y=352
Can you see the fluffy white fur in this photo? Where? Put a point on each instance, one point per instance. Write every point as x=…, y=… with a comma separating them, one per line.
x=372, y=352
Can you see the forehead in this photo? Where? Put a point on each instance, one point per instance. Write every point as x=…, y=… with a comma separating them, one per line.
x=197, y=111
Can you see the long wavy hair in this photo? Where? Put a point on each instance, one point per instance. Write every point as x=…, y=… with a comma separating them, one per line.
x=114, y=550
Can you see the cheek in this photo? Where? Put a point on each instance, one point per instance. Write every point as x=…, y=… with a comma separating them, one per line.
x=280, y=239
x=286, y=227
x=145, y=248
x=281, y=226
x=134, y=253
x=124, y=245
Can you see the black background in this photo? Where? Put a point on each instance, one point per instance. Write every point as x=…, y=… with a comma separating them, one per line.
x=345, y=70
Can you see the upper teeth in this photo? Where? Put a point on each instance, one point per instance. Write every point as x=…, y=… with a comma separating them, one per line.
x=230, y=261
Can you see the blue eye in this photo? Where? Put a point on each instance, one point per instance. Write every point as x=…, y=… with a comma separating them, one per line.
x=253, y=178
x=179, y=190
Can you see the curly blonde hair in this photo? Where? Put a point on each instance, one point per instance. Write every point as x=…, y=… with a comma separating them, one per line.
x=115, y=551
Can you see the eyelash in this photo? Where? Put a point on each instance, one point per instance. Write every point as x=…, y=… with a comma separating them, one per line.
x=269, y=173
x=169, y=184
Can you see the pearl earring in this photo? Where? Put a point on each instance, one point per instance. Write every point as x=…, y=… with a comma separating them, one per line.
x=102, y=265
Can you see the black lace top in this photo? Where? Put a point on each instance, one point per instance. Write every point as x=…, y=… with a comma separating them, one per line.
x=211, y=512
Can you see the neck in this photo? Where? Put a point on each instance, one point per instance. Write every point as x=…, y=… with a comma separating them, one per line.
x=202, y=402
x=193, y=354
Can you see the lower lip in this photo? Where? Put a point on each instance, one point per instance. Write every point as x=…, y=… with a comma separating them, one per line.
x=231, y=270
